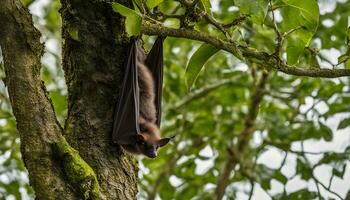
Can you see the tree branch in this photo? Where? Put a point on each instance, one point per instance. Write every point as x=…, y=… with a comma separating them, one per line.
x=262, y=58
x=35, y=116
x=224, y=177
x=249, y=124
x=236, y=149
x=215, y=23
x=36, y=121
x=325, y=187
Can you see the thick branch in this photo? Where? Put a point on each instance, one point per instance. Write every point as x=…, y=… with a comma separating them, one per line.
x=264, y=59
x=224, y=178
x=243, y=139
x=153, y=29
x=36, y=121
x=249, y=124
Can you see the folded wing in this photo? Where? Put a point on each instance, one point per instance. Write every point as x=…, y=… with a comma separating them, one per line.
x=154, y=62
x=125, y=127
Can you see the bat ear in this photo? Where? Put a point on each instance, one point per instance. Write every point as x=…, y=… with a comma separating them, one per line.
x=140, y=138
x=164, y=141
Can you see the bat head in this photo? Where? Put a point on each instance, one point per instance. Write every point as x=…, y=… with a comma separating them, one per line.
x=148, y=141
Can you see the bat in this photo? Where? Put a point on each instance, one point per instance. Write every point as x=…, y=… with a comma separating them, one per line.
x=138, y=112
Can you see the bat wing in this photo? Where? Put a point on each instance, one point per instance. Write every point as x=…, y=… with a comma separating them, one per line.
x=125, y=126
x=154, y=62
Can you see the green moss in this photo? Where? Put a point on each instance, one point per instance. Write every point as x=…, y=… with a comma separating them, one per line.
x=78, y=172
x=73, y=32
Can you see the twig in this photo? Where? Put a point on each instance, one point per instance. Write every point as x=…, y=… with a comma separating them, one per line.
x=279, y=36
x=217, y=24
x=318, y=191
x=330, y=181
x=259, y=57
x=291, y=31
x=306, y=152
x=251, y=190
x=325, y=187
x=283, y=161
x=235, y=22
x=250, y=119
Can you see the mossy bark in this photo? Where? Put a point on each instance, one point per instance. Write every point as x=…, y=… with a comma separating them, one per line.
x=94, y=51
x=77, y=171
x=36, y=121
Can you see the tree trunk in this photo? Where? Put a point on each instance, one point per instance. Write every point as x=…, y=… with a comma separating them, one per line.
x=94, y=51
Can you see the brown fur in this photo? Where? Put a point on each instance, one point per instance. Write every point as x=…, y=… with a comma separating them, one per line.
x=149, y=139
x=147, y=106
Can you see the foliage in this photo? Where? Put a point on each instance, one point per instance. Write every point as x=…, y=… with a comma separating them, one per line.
x=295, y=115
x=197, y=61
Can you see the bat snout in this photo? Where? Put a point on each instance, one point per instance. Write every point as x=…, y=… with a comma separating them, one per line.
x=152, y=154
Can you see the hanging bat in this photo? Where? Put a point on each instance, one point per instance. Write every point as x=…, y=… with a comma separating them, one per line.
x=138, y=113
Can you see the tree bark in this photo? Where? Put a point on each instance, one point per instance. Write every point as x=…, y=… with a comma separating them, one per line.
x=94, y=51
x=36, y=121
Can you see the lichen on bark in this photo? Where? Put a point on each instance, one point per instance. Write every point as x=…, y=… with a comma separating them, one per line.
x=77, y=171
x=93, y=67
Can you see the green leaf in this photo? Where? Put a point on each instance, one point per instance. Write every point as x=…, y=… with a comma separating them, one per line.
x=348, y=35
x=197, y=61
x=133, y=19
x=137, y=5
x=301, y=13
x=264, y=177
x=312, y=61
x=304, y=169
x=327, y=133
x=300, y=194
x=257, y=9
x=294, y=49
x=340, y=171
x=334, y=158
x=344, y=123
x=343, y=58
x=153, y=3
x=280, y=177
x=166, y=190
x=206, y=6
x=300, y=17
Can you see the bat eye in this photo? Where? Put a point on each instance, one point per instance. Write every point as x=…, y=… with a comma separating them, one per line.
x=143, y=128
x=141, y=142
